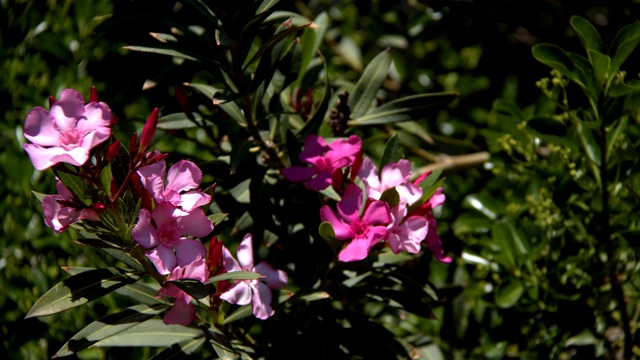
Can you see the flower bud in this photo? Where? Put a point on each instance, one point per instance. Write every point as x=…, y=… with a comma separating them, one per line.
x=148, y=131
x=113, y=150
x=52, y=101
x=93, y=97
x=132, y=143
x=98, y=207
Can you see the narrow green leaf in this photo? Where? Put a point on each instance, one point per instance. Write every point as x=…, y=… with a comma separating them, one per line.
x=162, y=51
x=182, y=121
x=194, y=288
x=217, y=219
x=205, y=10
x=392, y=152
x=316, y=119
x=180, y=350
x=124, y=257
x=142, y=292
x=508, y=293
x=80, y=289
x=266, y=5
x=241, y=313
x=366, y=88
x=623, y=45
x=318, y=295
x=311, y=39
x=404, y=109
x=587, y=34
x=108, y=326
x=229, y=106
x=221, y=344
x=234, y=275
x=151, y=333
x=73, y=182
x=276, y=39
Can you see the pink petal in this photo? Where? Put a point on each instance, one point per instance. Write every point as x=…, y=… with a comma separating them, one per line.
x=182, y=312
x=394, y=174
x=193, y=199
x=357, y=249
x=144, y=233
x=228, y=261
x=369, y=175
x=314, y=146
x=245, y=253
x=163, y=215
x=349, y=205
x=39, y=128
x=298, y=173
x=162, y=258
x=239, y=294
x=68, y=109
x=169, y=290
x=184, y=175
x=196, y=223
x=152, y=177
x=56, y=216
x=434, y=244
x=342, y=151
x=261, y=301
x=342, y=230
x=196, y=270
x=43, y=158
x=188, y=250
x=320, y=182
x=96, y=115
x=275, y=279
x=377, y=213
x=95, y=137
x=409, y=193
x=63, y=191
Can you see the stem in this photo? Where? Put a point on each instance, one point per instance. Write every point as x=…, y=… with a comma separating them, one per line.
x=616, y=285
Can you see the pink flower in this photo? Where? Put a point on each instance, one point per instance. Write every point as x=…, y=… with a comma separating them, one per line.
x=348, y=225
x=164, y=236
x=393, y=175
x=433, y=242
x=66, y=133
x=183, y=312
x=182, y=178
x=406, y=233
x=58, y=216
x=324, y=159
x=256, y=292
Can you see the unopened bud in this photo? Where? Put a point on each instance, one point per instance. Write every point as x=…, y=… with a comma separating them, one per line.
x=93, y=97
x=132, y=143
x=113, y=150
x=148, y=131
x=52, y=101
x=98, y=207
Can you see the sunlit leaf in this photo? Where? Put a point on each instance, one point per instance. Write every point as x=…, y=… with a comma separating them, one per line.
x=182, y=121
x=151, y=333
x=234, y=275
x=80, y=289
x=109, y=326
x=163, y=51
x=404, y=109
x=392, y=152
x=508, y=293
x=366, y=88
x=623, y=45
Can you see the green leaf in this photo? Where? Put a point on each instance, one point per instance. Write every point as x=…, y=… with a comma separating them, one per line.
x=230, y=107
x=162, y=51
x=391, y=197
x=194, y=288
x=621, y=88
x=277, y=38
x=318, y=295
x=587, y=34
x=584, y=70
x=366, y=88
x=508, y=293
x=392, y=152
x=266, y=5
x=80, y=289
x=142, y=292
x=241, y=313
x=73, y=182
x=483, y=203
x=124, y=257
x=311, y=39
x=205, y=10
x=109, y=326
x=151, y=333
x=601, y=64
x=404, y=109
x=623, y=45
x=180, y=350
x=217, y=219
x=182, y=121
x=313, y=124
x=556, y=58
x=234, y=275
x=221, y=344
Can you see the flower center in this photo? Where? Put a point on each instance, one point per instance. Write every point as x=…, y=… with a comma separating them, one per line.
x=360, y=227
x=70, y=138
x=169, y=234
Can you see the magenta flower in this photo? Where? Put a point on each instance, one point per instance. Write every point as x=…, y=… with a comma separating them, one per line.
x=393, y=175
x=164, y=236
x=433, y=242
x=67, y=132
x=257, y=292
x=58, y=216
x=183, y=312
x=348, y=225
x=406, y=233
x=324, y=160
x=182, y=178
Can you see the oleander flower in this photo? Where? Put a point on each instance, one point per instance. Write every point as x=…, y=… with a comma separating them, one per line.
x=183, y=312
x=180, y=191
x=432, y=241
x=365, y=231
x=393, y=175
x=406, y=233
x=164, y=236
x=58, y=216
x=67, y=132
x=324, y=159
x=257, y=292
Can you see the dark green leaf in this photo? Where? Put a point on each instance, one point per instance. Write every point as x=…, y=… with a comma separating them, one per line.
x=73, y=182
x=241, y=313
x=234, y=275
x=124, y=257
x=144, y=293
x=601, y=64
x=556, y=58
x=404, y=109
x=391, y=197
x=80, y=289
x=221, y=344
x=180, y=350
x=372, y=78
x=194, y=288
x=313, y=124
x=181, y=121
x=108, y=326
x=623, y=45
x=587, y=34
x=163, y=51
x=217, y=219
x=392, y=152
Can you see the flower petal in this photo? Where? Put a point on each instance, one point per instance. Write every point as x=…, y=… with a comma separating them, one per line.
x=68, y=109
x=193, y=199
x=40, y=129
x=319, y=182
x=349, y=205
x=261, y=302
x=239, y=294
x=369, y=174
x=195, y=223
x=245, y=253
x=184, y=175
x=342, y=230
x=188, y=250
x=357, y=249
x=96, y=116
x=162, y=258
x=144, y=233
x=182, y=312
x=314, y=146
x=275, y=279
x=377, y=213
x=228, y=261
x=298, y=173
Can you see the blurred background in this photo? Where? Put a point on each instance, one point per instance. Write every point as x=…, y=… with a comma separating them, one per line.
x=544, y=297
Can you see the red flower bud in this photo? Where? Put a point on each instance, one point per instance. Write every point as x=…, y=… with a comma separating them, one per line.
x=52, y=101
x=98, y=207
x=132, y=143
x=93, y=97
x=113, y=150
x=148, y=131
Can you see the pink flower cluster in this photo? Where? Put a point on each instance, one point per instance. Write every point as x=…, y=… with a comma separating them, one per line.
x=363, y=223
